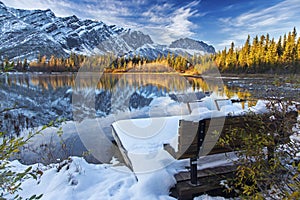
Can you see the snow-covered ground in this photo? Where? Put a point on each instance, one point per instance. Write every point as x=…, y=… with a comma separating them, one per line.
x=81, y=180
x=78, y=179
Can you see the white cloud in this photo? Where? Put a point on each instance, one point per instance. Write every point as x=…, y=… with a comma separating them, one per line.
x=157, y=14
x=167, y=23
x=59, y=7
x=108, y=11
x=164, y=22
x=23, y=4
x=275, y=20
x=180, y=24
x=226, y=8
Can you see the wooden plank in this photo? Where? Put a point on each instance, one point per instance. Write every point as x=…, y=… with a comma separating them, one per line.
x=210, y=149
x=214, y=129
x=186, y=191
x=191, y=147
x=182, y=153
x=171, y=150
x=208, y=179
x=217, y=121
x=187, y=141
x=184, y=176
x=187, y=136
x=217, y=150
x=214, y=133
x=122, y=149
x=188, y=128
x=185, y=155
x=225, y=127
x=188, y=148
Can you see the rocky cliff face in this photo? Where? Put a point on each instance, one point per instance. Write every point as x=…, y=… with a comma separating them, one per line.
x=25, y=33
x=28, y=33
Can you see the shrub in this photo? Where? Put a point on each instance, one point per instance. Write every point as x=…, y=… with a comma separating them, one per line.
x=266, y=165
x=11, y=181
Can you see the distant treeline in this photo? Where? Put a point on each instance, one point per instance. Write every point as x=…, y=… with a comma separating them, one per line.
x=44, y=64
x=169, y=63
x=55, y=64
x=262, y=55
x=108, y=63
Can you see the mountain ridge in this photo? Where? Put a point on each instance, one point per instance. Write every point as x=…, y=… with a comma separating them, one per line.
x=29, y=33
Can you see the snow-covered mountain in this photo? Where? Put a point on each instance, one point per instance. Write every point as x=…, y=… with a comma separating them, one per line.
x=27, y=33
x=191, y=46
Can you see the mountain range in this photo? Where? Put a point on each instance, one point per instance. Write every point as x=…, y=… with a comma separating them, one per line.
x=29, y=33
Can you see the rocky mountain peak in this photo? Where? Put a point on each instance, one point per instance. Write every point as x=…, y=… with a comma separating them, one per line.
x=29, y=33
x=2, y=4
x=26, y=33
x=187, y=43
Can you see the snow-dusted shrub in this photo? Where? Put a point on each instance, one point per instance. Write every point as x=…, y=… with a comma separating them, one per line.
x=267, y=166
x=10, y=180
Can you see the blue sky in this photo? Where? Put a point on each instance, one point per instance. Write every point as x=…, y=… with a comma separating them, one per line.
x=217, y=22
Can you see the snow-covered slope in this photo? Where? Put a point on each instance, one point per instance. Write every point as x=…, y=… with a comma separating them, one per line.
x=25, y=33
x=191, y=46
x=29, y=33
x=179, y=47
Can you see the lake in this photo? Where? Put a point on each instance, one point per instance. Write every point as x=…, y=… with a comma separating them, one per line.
x=40, y=98
x=37, y=98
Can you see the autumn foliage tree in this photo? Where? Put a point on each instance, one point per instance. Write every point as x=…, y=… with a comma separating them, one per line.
x=262, y=55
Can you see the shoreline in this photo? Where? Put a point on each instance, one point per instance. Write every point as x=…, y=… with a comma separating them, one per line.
x=219, y=75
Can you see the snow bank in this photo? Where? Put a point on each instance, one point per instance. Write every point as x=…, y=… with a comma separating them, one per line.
x=78, y=180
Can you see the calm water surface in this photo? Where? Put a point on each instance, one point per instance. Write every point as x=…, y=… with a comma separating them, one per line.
x=37, y=99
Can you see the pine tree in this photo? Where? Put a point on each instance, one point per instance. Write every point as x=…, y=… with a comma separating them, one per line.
x=43, y=61
x=169, y=59
x=284, y=42
x=221, y=59
x=267, y=42
x=51, y=62
x=289, y=51
x=298, y=49
x=231, y=58
x=279, y=47
x=244, y=53
x=261, y=53
x=25, y=64
x=252, y=61
x=271, y=55
x=294, y=41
